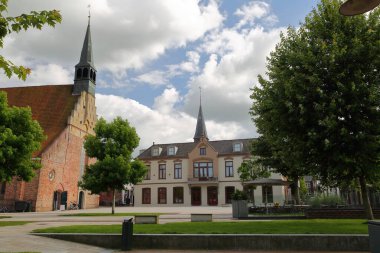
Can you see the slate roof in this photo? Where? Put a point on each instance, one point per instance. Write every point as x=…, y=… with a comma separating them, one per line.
x=86, y=56
x=223, y=147
x=200, y=130
x=51, y=106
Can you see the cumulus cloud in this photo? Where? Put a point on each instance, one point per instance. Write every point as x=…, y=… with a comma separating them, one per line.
x=156, y=125
x=141, y=31
x=154, y=78
x=130, y=37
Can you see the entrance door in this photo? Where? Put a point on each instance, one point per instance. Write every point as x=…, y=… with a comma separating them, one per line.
x=196, y=196
x=64, y=199
x=56, y=200
x=81, y=200
x=212, y=196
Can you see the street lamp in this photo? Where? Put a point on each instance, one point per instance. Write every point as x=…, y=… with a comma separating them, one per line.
x=356, y=7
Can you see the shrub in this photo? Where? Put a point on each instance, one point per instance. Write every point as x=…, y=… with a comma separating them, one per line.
x=324, y=200
x=239, y=195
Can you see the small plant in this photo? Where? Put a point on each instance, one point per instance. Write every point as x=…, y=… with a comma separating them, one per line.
x=239, y=195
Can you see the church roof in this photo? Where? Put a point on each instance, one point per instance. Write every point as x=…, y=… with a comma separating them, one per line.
x=223, y=147
x=51, y=106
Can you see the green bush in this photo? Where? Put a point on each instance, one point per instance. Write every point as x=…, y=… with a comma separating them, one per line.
x=239, y=195
x=324, y=200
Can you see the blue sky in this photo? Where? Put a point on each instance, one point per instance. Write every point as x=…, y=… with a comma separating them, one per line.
x=153, y=55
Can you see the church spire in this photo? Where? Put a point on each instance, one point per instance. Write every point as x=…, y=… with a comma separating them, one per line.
x=200, y=131
x=85, y=72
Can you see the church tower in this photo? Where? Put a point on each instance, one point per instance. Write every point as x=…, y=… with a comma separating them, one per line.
x=200, y=131
x=85, y=72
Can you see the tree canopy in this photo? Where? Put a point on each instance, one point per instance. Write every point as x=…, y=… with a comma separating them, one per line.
x=112, y=146
x=20, y=136
x=317, y=108
x=8, y=25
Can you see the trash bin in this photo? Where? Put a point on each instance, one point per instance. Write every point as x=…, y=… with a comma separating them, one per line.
x=127, y=234
x=374, y=235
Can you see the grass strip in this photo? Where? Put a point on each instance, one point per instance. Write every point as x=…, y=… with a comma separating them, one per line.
x=4, y=217
x=317, y=226
x=12, y=223
x=110, y=214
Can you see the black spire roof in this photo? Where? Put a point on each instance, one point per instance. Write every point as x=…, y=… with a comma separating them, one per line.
x=86, y=56
x=85, y=72
x=200, y=131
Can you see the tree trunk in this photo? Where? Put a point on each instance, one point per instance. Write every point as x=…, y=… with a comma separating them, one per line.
x=360, y=195
x=113, y=201
x=296, y=193
x=366, y=203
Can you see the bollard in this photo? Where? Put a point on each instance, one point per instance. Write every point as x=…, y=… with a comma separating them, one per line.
x=127, y=234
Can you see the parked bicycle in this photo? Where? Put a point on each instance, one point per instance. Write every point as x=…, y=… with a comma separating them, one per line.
x=73, y=206
x=4, y=209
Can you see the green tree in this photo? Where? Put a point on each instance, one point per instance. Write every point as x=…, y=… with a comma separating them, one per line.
x=20, y=136
x=112, y=146
x=252, y=170
x=318, y=106
x=267, y=155
x=36, y=19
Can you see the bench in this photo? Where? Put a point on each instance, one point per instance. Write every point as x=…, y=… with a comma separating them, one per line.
x=201, y=217
x=146, y=219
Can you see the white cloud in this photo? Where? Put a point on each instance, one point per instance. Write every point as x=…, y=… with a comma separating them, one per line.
x=44, y=75
x=166, y=101
x=126, y=33
x=252, y=11
x=129, y=36
x=156, y=125
x=154, y=78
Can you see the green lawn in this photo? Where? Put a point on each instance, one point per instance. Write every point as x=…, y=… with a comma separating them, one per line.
x=12, y=223
x=110, y=214
x=317, y=226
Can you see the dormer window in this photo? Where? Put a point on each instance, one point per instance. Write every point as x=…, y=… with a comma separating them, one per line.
x=156, y=151
x=202, y=151
x=238, y=147
x=172, y=150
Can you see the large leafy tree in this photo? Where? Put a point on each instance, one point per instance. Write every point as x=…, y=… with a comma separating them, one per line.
x=35, y=19
x=20, y=136
x=318, y=108
x=268, y=156
x=112, y=146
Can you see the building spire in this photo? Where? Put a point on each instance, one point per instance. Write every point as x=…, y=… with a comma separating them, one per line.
x=200, y=131
x=85, y=72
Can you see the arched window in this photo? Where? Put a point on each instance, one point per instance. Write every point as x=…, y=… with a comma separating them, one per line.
x=79, y=73
x=94, y=77
x=85, y=72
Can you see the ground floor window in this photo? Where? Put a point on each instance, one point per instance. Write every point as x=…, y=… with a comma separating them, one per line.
x=267, y=193
x=146, y=195
x=212, y=196
x=3, y=187
x=196, y=196
x=162, y=195
x=178, y=195
x=229, y=191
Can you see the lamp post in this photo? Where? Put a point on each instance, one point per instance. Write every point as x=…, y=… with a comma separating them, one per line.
x=356, y=7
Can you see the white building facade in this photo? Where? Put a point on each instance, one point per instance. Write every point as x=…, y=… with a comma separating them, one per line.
x=199, y=173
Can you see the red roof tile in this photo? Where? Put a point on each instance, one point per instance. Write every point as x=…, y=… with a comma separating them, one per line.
x=51, y=106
